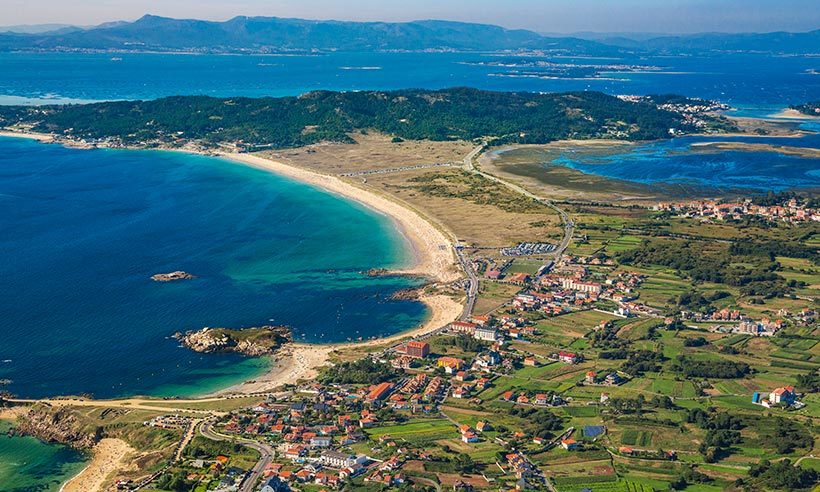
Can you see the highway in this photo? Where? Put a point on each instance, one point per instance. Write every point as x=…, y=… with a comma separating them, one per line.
x=266, y=452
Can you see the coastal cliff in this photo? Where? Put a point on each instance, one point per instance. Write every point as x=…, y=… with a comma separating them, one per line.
x=57, y=426
x=252, y=342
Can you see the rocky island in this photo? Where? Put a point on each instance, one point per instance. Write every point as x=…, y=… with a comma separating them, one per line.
x=253, y=342
x=171, y=277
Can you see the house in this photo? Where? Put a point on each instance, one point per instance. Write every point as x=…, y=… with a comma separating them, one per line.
x=569, y=444
x=784, y=395
x=295, y=452
x=613, y=379
x=568, y=357
x=531, y=361
x=451, y=365
x=468, y=435
x=539, y=440
x=541, y=399
x=460, y=392
x=590, y=378
x=483, y=426
x=321, y=441
x=274, y=484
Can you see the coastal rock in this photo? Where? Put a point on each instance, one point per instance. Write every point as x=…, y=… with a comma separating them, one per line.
x=407, y=295
x=252, y=342
x=171, y=277
x=57, y=426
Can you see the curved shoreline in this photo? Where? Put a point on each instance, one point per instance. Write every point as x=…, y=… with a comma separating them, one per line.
x=432, y=251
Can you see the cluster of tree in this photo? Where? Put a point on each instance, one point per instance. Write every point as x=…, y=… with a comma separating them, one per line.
x=772, y=199
x=361, y=371
x=698, y=368
x=638, y=404
x=772, y=249
x=459, y=113
x=607, y=338
x=695, y=342
x=756, y=276
x=688, y=477
x=697, y=301
x=713, y=420
x=809, y=382
x=461, y=463
x=640, y=361
x=175, y=482
x=723, y=432
x=465, y=343
x=782, y=475
x=788, y=435
x=540, y=422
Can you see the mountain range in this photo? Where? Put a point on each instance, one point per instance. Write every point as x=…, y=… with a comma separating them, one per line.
x=274, y=34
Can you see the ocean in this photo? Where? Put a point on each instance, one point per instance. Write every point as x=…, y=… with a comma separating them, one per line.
x=29, y=465
x=757, y=84
x=84, y=230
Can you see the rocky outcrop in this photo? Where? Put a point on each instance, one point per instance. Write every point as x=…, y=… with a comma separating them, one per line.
x=172, y=277
x=253, y=342
x=407, y=295
x=58, y=426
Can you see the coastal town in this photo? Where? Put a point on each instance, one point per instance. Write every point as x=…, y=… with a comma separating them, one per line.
x=629, y=349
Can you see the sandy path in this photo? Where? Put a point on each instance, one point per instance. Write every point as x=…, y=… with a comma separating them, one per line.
x=108, y=456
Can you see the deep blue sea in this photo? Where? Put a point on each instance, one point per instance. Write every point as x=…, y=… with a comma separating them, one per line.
x=757, y=84
x=82, y=231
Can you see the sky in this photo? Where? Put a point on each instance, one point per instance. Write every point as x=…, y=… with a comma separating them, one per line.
x=547, y=16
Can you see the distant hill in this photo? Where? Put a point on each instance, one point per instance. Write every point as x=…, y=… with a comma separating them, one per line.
x=39, y=28
x=264, y=34
x=773, y=42
x=274, y=34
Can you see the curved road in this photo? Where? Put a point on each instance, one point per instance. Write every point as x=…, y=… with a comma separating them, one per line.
x=266, y=452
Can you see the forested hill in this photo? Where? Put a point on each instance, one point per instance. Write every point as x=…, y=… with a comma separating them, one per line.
x=330, y=116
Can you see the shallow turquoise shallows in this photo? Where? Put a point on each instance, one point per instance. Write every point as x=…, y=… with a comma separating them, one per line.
x=82, y=231
x=28, y=465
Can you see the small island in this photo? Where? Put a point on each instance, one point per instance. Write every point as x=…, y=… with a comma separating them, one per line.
x=172, y=277
x=252, y=342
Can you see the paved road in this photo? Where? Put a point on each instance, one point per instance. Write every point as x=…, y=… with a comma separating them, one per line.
x=472, y=286
x=266, y=452
x=569, y=226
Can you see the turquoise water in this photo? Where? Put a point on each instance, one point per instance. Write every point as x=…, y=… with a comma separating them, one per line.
x=29, y=465
x=82, y=232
